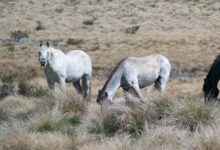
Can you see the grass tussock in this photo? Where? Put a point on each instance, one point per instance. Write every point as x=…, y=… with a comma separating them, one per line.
x=3, y=115
x=191, y=113
x=119, y=142
x=8, y=86
x=13, y=103
x=27, y=89
x=20, y=139
x=13, y=107
x=111, y=121
x=17, y=140
x=162, y=137
x=72, y=102
x=55, y=121
x=207, y=139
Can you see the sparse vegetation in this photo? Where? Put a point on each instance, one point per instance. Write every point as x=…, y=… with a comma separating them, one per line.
x=88, y=22
x=11, y=48
x=8, y=87
x=27, y=89
x=72, y=41
x=132, y=30
x=39, y=26
x=187, y=33
x=19, y=36
x=59, y=10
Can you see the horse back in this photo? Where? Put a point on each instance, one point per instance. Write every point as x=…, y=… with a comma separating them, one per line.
x=78, y=61
x=146, y=69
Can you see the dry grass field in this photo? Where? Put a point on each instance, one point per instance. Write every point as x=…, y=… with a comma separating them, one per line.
x=32, y=118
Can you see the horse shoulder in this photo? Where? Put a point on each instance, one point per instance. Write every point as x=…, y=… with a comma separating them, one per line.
x=58, y=62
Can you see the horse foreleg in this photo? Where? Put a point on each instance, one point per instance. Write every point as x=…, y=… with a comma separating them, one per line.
x=137, y=92
x=62, y=83
x=51, y=84
x=126, y=96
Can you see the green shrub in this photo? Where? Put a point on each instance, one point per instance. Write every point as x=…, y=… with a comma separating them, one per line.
x=132, y=30
x=88, y=22
x=19, y=35
x=39, y=26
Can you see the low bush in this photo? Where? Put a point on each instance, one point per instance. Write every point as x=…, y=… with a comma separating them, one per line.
x=27, y=89
x=19, y=36
x=88, y=22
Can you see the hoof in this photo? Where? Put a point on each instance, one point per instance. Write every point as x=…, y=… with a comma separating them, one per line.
x=111, y=102
x=143, y=102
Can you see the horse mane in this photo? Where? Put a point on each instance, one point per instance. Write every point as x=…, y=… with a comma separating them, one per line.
x=53, y=54
x=112, y=73
x=214, y=71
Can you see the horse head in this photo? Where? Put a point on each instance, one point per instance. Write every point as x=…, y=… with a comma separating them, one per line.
x=210, y=91
x=43, y=54
x=102, y=96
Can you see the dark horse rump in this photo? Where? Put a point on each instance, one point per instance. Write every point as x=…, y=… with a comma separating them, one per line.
x=210, y=88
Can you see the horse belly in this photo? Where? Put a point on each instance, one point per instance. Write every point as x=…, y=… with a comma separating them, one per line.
x=74, y=74
x=146, y=80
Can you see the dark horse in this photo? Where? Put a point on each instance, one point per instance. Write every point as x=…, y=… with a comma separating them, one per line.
x=210, y=89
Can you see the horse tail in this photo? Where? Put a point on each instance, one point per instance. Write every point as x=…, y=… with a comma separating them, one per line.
x=90, y=91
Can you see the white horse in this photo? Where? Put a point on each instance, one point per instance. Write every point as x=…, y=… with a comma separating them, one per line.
x=134, y=73
x=63, y=68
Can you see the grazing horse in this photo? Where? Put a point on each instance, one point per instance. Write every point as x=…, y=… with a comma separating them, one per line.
x=64, y=68
x=210, y=89
x=134, y=73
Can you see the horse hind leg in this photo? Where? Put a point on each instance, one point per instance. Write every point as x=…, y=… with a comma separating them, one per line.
x=160, y=84
x=85, y=85
x=126, y=95
x=77, y=86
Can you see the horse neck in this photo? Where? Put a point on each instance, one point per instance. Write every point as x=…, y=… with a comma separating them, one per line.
x=113, y=83
x=55, y=57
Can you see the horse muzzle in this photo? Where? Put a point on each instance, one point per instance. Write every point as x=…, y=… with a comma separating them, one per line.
x=43, y=64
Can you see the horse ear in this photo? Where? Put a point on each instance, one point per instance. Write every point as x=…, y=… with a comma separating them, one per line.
x=106, y=94
x=48, y=44
x=41, y=43
x=99, y=91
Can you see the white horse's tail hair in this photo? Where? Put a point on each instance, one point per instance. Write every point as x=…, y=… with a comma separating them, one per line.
x=90, y=91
